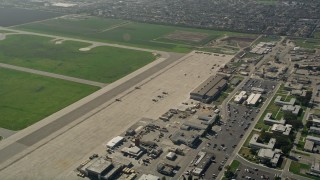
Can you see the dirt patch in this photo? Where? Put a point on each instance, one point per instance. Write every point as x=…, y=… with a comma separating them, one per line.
x=187, y=36
x=240, y=41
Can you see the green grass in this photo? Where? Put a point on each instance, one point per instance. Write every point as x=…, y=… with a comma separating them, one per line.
x=246, y=153
x=301, y=142
x=267, y=2
x=296, y=167
x=267, y=38
x=5, y=31
x=273, y=108
x=27, y=98
x=261, y=126
x=234, y=165
x=307, y=43
x=101, y=64
x=316, y=35
x=133, y=33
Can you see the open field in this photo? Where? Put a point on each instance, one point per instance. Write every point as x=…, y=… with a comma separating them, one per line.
x=268, y=38
x=101, y=64
x=160, y=37
x=21, y=16
x=307, y=43
x=28, y=98
x=316, y=34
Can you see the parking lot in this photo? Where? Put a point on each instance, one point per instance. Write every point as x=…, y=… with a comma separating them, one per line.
x=225, y=137
x=268, y=86
x=245, y=172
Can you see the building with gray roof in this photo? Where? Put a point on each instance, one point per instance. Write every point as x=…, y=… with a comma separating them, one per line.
x=269, y=155
x=314, y=139
x=308, y=146
x=290, y=108
x=270, y=121
x=315, y=130
x=279, y=102
x=253, y=143
x=187, y=138
x=209, y=89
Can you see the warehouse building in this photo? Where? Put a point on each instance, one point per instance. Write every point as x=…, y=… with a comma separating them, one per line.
x=115, y=142
x=189, y=138
x=202, y=163
x=253, y=99
x=209, y=89
x=102, y=169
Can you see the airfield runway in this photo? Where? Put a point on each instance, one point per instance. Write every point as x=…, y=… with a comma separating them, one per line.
x=30, y=139
x=56, y=149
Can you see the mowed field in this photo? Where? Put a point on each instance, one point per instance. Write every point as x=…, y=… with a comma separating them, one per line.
x=101, y=64
x=160, y=37
x=15, y=16
x=27, y=98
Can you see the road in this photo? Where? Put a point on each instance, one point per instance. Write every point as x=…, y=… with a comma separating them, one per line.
x=241, y=142
x=226, y=101
x=57, y=76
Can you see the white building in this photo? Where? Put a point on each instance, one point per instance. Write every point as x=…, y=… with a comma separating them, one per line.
x=279, y=128
x=253, y=99
x=115, y=141
x=290, y=108
x=240, y=97
x=269, y=121
x=268, y=155
x=256, y=145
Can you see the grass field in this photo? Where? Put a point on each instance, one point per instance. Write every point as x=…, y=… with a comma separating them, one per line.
x=5, y=31
x=300, y=168
x=316, y=34
x=307, y=43
x=268, y=38
x=101, y=64
x=130, y=33
x=27, y=98
x=234, y=165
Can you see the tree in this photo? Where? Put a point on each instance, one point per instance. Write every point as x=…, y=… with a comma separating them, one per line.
x=289, y=116
x=229, y=174
x=305, y=100
x=296, y=124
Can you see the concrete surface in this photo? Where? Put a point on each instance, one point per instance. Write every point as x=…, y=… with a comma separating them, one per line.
x=54, y=147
